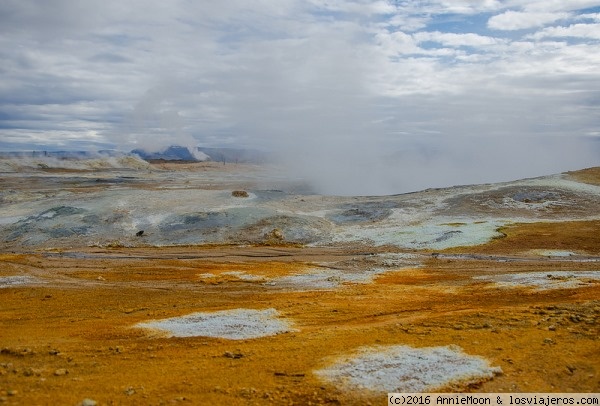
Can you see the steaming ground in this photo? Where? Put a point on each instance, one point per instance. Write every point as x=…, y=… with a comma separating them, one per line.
x=138, y=283
x=110, y=203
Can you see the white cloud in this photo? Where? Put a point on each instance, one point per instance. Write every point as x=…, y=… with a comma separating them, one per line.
x=397, y=43
x=553, y=5
x=592, y=16
x=589, y=31
x=466, y=7
x=519, y=20
x=296, y=75
x=457, y=40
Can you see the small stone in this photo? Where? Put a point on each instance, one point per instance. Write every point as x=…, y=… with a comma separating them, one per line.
x=12, y=392
x=233, y=355
x=552, y=328
x=548, y=341
x=239, y=193
x=129, y=391
x=100, y=278
x=88, y=402
x=32, y=371
x=61, y=372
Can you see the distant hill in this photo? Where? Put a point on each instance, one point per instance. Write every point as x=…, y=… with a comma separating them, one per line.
x=173, y=153
x=61, y=154
x=228, y=155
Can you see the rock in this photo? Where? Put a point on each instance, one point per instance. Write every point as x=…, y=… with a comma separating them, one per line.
x=239, y=193
x=552, y=328
x=88, y=402
x=61, y=372
x=275, y=234
x=139, y=233
x=32, y=371
x=233, y=355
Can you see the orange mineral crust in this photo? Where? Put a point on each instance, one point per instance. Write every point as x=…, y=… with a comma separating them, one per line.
x=69, y=326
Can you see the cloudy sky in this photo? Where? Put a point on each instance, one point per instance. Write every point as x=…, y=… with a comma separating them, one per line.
x=451, y=85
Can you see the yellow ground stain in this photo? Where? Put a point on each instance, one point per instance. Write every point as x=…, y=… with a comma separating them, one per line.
x=543, y=341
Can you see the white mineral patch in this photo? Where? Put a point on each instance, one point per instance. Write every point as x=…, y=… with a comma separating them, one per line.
x=316, y=279
x=243, y=276
x=407, y=369
x=553, y=253
x=510, y=203
x=545, y=280
x=9, y=281
x=424, y=236
x=206, y=275
x=237, y=324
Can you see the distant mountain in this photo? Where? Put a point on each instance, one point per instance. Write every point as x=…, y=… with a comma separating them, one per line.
x=61, y=154
x=173, y=153
x=227, y=155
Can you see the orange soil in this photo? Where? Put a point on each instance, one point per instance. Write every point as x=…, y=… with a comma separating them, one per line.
x=577, y=236
x=72, y=338
x=589, y=175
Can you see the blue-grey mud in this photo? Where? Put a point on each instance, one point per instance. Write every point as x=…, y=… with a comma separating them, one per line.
x=136, y=283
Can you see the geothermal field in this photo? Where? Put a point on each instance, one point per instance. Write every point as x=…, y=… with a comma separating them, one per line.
x=129, y=282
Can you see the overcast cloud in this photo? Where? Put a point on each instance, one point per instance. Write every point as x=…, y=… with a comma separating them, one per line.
x=357, y=96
